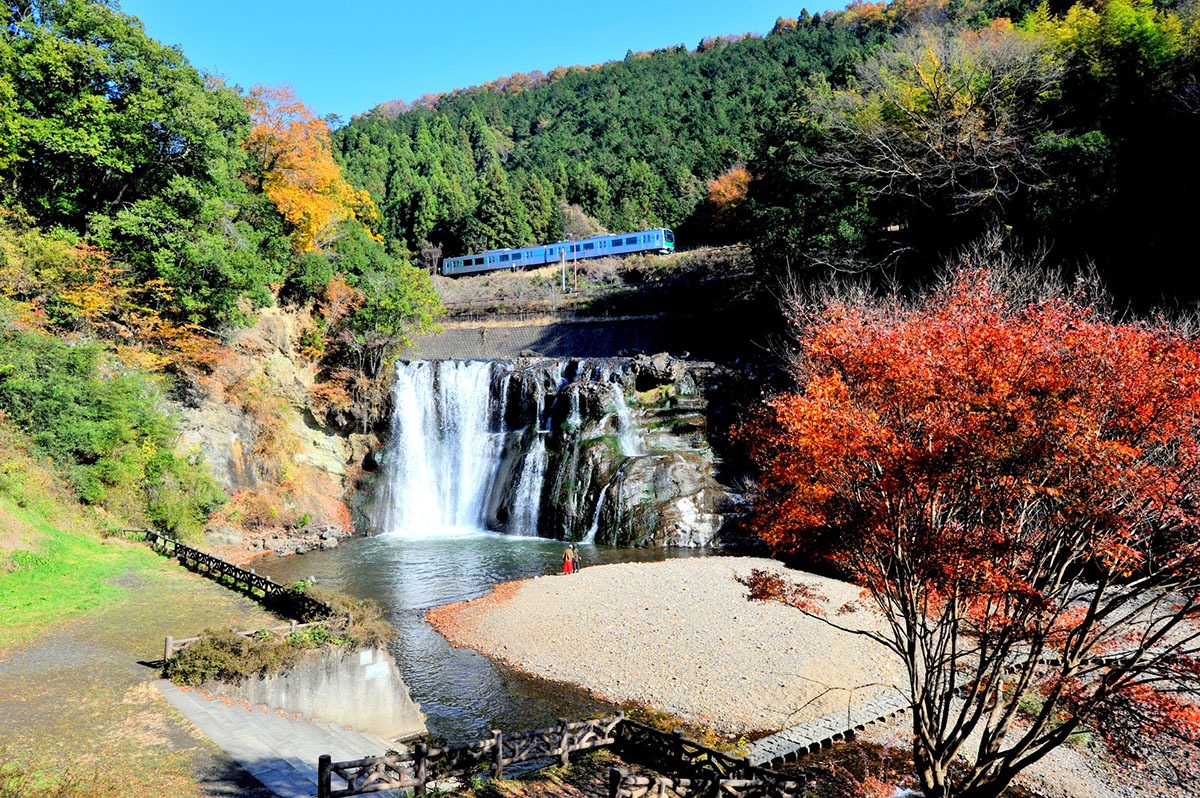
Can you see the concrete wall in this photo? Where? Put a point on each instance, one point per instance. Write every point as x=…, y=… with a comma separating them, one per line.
x=361, y=690
x=715, y=339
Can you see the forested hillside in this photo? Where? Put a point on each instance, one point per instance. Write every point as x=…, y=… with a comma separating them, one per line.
x=875, y=139
x=622, y=146
x=146, y=213
x=1057, y=127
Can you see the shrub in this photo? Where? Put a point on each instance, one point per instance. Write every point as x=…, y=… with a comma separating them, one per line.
x=367, y=628
x=225, y=656
x=103, y=426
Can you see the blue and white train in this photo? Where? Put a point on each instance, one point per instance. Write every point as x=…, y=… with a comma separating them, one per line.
x=656, y=239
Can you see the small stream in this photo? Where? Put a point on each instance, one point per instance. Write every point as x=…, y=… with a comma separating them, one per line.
x=464, y=694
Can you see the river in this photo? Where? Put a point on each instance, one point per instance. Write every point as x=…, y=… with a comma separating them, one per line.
x=464, y=694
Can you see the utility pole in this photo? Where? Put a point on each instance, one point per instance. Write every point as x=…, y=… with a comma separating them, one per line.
x=562, y=255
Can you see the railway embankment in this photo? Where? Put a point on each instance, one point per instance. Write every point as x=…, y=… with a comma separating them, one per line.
x=704, y=304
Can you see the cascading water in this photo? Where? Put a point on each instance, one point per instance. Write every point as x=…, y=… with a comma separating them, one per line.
x=444, y=448
x=528, y=501
x=476, y=445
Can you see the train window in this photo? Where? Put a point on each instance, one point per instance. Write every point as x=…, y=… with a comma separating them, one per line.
x=670, y=236
x=589, y=246
x=631, y=240
x=518, y=255
x=477, y=262
x=503, y=258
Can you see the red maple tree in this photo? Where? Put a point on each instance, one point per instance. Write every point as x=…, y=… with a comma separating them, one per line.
x=1011, y=476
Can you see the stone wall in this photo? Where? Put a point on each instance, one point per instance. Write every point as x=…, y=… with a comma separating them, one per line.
x=720, y=337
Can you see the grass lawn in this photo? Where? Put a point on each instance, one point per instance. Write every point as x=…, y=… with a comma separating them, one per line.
x=62, y=574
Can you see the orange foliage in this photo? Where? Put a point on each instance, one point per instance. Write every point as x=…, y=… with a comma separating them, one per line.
x=297, y=170
x=90, y=287
x=916, y=12
x=340, y=300
x=784, y=25
x=968, y=460
x=728, y=190
x=865, y=14
x=309, y=498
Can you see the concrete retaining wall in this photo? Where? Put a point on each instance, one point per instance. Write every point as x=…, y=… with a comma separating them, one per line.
x=361, y=690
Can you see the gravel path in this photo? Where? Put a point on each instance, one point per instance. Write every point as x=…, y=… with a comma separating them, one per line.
x=80, y=699
x=681, y=636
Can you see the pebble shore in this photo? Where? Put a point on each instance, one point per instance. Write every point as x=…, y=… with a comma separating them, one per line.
x=681, y=636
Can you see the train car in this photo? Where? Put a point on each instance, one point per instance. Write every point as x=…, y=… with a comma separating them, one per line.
x=656, y=239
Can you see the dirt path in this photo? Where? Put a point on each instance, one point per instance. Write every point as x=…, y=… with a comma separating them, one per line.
x=79, y=701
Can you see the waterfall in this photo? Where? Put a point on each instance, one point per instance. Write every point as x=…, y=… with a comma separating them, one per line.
x=625, y=436
x=445, y=453
x=527, y=504
x=574, y=418
x=477, y=445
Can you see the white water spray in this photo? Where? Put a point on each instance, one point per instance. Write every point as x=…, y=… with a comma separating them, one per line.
x=444, y=454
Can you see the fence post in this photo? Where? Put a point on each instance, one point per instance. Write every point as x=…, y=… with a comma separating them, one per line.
x=678, y=744
x=565, y=753
x=498, y=765
x=168, y=644
x=324, y=768
x=421, y=768
x=615, y=777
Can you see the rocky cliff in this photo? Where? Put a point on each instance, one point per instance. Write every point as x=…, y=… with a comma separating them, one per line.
x=611, y=450
x=292, y=476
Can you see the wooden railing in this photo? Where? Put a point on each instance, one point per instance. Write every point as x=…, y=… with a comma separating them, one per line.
x=287, y=602
x=625, y=785
x=685, y=760
x=422, y=765
x=694, y=769
x=305, y=611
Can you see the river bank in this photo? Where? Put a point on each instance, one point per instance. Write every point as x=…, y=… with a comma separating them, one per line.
x=80, y=714
x=681, y=636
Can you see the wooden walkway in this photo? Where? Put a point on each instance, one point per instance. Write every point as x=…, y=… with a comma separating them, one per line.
x=805, y=738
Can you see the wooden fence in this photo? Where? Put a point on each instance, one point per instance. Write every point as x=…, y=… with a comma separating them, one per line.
x=283, y=600
x=422, y=765
x=624, y=785
x=695, y=770
x=287, y=602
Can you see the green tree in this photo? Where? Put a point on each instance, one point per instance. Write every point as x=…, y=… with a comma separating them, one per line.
x=499, y=218
x=100, y=115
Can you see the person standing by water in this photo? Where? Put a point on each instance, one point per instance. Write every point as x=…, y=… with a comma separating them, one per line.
x=575, y=564
x=568, y=561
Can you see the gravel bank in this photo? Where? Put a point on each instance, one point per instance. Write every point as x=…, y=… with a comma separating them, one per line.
x=680, y=635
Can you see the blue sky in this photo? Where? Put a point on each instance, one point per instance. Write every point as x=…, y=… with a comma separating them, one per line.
x=345, y=58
